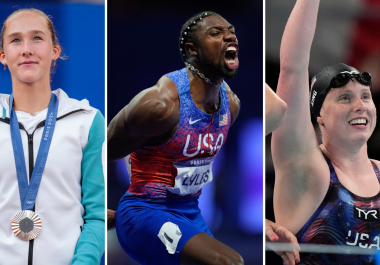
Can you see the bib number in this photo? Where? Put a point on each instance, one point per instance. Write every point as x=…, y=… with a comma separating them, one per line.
x=192, y=175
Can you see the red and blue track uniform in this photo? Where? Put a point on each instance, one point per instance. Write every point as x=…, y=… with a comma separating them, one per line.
x=166, y=181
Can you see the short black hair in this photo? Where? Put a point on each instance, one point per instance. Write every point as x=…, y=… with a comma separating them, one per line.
x=188, y=32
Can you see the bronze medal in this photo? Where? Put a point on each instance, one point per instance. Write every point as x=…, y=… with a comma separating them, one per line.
x=26, y=225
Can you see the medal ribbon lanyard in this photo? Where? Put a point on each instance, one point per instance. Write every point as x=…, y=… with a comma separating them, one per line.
x=28, y=194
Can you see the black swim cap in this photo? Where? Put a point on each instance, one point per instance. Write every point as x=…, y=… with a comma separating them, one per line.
x=320, y=85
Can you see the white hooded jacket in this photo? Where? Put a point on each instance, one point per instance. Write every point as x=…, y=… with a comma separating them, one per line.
x=71, y=194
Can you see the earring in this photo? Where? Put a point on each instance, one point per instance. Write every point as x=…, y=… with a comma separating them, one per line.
x=5, y=67
x=319, y=120
x=54, y=63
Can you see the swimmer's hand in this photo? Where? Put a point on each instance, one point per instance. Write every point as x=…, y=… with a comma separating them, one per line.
x=278, y=233
x=110, y=219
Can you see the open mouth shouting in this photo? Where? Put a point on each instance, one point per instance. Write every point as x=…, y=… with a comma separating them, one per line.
x=231, y=56
x=359, y=123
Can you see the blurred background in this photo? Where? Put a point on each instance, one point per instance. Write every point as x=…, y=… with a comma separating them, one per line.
x=142, y=47
x=347, y=31
x=80, y=27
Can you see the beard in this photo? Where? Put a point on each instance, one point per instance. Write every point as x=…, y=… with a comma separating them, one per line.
x=219, y=68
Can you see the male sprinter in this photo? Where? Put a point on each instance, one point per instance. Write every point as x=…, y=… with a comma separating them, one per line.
x=170, y=134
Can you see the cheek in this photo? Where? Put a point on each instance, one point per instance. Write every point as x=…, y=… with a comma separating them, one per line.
x=331, y=109
x=10, y=53
x=372, y=107
x=44, y=51
x=335, y=114
x=372, y=110
x=213, y=48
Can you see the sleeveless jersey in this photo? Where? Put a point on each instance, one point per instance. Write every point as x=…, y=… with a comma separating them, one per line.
x=343, y=219
x=182, y=166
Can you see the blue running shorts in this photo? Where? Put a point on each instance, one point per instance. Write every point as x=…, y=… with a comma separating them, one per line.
x=138, y=223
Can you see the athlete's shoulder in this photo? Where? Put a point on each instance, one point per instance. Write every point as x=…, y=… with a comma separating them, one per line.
x=234, y=103
x=151, y=113
x=157, y=100
x=155, y=107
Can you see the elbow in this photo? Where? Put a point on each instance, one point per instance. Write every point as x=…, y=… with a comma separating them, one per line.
x=291, y=65
x=290, y=68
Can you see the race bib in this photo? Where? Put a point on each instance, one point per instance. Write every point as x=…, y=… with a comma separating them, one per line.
x=192, y=175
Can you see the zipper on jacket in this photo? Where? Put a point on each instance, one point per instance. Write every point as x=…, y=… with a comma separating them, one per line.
x=31, y=167
x=31, y=158
x=31, y=164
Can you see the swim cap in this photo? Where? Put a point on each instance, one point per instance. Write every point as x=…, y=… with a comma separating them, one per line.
x=320, y=85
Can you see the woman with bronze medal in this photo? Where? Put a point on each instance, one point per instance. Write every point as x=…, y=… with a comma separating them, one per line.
x=51, y=180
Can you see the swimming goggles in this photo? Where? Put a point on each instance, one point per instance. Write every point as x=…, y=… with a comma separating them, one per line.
x=343, y=78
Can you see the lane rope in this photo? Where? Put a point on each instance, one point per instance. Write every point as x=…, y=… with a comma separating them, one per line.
x=315, y=248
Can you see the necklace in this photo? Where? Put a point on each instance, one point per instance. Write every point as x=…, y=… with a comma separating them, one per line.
x=202, y=75
x=33, y=114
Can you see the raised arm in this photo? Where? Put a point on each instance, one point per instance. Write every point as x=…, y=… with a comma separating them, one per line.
x=302, y=175
x=149, y=119
x=295, y=138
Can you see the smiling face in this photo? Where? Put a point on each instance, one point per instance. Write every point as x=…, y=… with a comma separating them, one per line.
x=217, y=46
x=348, y=113
x=28, y=48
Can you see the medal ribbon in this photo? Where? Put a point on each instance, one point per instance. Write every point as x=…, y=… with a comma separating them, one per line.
x=28, y=193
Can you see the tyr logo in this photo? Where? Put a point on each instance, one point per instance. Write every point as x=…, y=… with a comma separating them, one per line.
x=370, y=215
